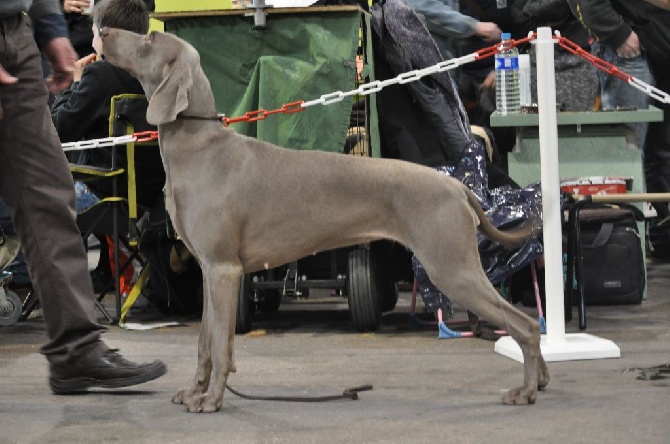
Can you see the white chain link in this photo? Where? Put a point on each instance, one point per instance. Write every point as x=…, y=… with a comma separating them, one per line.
x=411, y=76
x=406, y=77
x=651, y=91
x=98, y=143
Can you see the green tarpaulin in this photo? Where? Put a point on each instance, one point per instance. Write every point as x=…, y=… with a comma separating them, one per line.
x=299, y=56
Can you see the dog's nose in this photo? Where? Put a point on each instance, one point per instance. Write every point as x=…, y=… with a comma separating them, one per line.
x=104, y=32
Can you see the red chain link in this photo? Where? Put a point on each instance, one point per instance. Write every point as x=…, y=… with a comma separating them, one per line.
x=564, y=43
x=254, y=116
x=146, y=136
x=595, y=61
x=492, y=50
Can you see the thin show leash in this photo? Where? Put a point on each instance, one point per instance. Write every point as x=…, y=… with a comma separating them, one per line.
x=350, y=393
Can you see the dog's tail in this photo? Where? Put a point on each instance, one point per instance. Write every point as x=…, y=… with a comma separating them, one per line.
x=513, y=238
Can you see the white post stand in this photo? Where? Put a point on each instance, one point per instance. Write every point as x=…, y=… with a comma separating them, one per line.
x=555, y=345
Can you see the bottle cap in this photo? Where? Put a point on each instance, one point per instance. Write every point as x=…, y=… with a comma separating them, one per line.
x=505, y=36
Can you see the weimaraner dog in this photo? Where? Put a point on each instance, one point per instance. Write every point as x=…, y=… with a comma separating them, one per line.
x=228, y=200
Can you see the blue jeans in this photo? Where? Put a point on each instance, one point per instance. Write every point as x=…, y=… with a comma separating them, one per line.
x=615, y=92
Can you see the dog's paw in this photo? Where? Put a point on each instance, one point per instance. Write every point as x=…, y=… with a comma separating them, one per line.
x=520, y=396
x=203, y=404
x=178, y=398
x=194, y=404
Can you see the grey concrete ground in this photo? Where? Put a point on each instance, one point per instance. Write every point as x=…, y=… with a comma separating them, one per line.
x=425, y=390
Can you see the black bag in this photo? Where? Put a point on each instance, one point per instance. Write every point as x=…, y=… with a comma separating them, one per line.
x=172, y=292
x=612, y=259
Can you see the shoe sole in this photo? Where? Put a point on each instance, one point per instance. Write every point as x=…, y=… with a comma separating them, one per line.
x=75, y=385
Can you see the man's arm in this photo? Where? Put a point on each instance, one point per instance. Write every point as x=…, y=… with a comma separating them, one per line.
x=444, y=20
x=53, y=39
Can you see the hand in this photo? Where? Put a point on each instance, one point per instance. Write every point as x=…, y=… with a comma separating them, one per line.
x=77, y=6
x=488, y=31
x=80, y=64
x=630, y=48
x=61, y=57
x=6, y=78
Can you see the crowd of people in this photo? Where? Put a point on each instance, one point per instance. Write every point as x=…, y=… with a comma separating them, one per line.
x=632, y=36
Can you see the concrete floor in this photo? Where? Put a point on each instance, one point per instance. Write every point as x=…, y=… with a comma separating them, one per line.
x=425, y=390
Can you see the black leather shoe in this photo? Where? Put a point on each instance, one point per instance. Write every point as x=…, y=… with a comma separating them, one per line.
x=106, y=370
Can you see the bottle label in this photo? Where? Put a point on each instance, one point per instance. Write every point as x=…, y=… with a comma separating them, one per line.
x=507, y=63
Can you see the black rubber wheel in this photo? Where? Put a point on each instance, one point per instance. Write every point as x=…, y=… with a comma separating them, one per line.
x=363, y=298
x=245, y=306
x=270, y=301
x=11, y=311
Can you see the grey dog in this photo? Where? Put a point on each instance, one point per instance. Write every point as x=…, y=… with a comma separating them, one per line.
x=237, y=187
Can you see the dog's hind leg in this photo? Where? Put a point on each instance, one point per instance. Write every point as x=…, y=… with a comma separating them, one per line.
x=471, y=288
x=218, y=326
x=204, y=370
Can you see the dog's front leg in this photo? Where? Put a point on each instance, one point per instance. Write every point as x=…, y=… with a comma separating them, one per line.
x=218, y=326
x=204, y=369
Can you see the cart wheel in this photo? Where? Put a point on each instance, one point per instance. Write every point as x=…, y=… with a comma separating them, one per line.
x=245, y=306
x=364, y=303
x=10, y=311
x=270, y=301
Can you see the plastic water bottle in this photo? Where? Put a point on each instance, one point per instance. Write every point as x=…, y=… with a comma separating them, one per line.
x=507, y=79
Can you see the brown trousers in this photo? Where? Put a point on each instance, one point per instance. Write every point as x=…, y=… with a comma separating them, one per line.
x=36, y=182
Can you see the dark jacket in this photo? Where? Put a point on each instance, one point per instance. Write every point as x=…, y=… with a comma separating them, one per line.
x=82, y=111
x=611, y=22
x=81, y=34
x=486, y=11
x=531, y=14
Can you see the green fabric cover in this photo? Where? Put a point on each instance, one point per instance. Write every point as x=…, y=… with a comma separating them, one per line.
x=297, y=57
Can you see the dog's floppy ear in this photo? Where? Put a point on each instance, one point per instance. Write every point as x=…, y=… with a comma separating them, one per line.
x=171, y=96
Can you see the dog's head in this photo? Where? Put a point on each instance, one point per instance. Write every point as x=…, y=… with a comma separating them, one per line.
x=164, y=65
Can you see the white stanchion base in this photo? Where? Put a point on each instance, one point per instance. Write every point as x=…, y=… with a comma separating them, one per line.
x=573, y=347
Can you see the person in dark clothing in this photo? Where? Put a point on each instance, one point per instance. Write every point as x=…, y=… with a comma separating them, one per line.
x=36, y=182
x=576, y=78
x=81, y=112
x=78, y=26
x=476, y=80
x=633, y=28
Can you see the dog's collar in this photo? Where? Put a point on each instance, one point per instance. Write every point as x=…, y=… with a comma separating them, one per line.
x=219, y=117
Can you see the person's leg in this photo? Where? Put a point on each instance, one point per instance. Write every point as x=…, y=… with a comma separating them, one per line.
x=615, y=92
x=36, y=182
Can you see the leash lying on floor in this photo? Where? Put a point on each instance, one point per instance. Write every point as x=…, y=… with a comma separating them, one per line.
x=350, y=393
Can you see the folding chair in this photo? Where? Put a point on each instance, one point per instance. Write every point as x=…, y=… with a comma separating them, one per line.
x=116, y=216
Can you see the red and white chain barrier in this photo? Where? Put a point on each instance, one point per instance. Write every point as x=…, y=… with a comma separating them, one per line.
x=144, y=136
x=407, y=77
